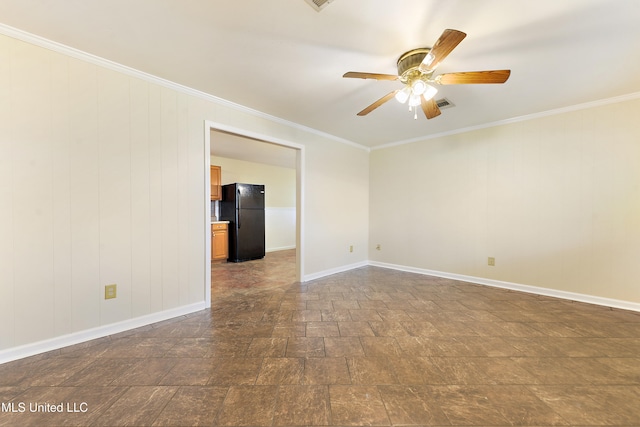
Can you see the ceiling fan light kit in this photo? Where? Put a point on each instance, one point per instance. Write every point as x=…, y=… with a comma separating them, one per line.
x=415, y=71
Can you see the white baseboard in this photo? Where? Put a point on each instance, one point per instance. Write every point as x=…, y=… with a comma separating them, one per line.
x=573, y=296
x=93, y=333
x=102, y=331
x=283, y=248
x=336, y=270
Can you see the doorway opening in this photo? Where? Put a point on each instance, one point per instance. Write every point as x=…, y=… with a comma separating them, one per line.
x=240, y=146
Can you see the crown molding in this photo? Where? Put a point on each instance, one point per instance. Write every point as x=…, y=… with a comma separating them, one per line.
x=132, y=72
x=554, y=112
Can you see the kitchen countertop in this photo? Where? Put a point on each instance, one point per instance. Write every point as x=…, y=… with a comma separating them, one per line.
x=219, y=222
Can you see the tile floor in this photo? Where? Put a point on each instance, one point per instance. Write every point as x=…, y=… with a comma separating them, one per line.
x=365, y=347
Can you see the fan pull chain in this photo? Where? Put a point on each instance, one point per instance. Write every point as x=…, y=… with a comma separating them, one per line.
x=414, y=110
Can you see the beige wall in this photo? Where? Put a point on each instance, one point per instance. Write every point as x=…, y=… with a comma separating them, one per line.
x=329, y=219
x=102, y=180
x=280, y=197
x=281, y=182
x=556, y=201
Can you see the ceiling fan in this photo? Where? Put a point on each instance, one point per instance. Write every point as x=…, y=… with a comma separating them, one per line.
x=415, y=71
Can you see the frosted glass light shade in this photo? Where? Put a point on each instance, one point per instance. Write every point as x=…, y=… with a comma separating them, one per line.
x=429, y=92
x=403, y=95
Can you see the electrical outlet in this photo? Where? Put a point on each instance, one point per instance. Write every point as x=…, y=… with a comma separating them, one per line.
x=110, y=291
x=378, y=247
x=491, y=261
x=351, y=248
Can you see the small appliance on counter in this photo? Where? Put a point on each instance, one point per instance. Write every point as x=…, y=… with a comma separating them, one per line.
x=243, y=206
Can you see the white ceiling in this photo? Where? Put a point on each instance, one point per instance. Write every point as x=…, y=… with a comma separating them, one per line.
x=283, y=58
x=252, y=150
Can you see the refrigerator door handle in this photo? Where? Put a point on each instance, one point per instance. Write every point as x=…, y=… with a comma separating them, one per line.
x=239, y=207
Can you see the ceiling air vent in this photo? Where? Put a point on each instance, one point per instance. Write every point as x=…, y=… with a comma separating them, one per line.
x=444, y=103
x=318, y=5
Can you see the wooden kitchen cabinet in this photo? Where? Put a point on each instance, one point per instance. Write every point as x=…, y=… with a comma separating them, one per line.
x=219, y=241
x=216, y=179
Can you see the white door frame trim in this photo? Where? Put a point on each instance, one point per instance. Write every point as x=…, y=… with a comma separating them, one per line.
x=300, y=187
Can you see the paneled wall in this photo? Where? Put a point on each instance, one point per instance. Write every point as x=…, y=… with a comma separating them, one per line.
x=95, y=177
x=103, y=180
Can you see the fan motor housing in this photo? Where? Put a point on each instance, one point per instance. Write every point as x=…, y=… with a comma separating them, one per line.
x=409, y=62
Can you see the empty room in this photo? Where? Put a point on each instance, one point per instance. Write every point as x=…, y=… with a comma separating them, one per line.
x=319, y=213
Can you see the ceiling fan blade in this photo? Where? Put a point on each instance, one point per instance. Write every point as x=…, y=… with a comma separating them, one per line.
x=473, y=77
x=375, y=76
x=443, y=47
x=378, y=103
x=430, y=108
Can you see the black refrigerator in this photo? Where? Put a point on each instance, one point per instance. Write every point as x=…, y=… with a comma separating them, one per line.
x=243, y=206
